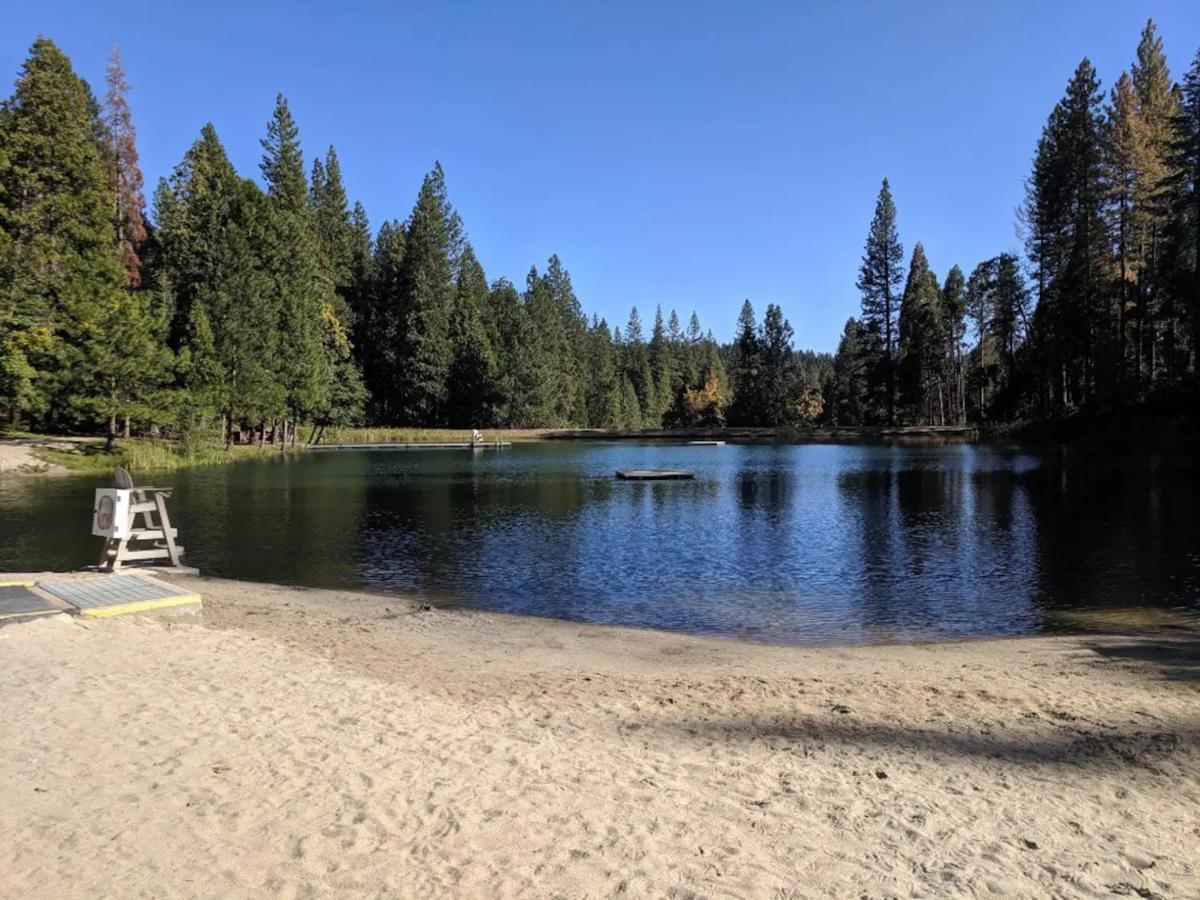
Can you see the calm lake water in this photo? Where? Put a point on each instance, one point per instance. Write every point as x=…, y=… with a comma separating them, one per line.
x=804, y=544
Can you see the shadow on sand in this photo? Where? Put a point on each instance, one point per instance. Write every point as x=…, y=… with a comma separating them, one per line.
x=1066, y=741
x=1170, y=657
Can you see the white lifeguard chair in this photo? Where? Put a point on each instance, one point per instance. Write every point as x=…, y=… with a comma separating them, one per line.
x=115, y=517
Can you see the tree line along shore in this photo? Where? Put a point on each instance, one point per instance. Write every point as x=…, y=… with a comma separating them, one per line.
x=229, y=309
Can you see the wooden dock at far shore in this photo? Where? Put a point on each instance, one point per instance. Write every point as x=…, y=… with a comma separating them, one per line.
x=415, y=445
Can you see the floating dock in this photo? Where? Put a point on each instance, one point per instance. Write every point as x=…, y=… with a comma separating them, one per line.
x=706, y=443
x=655, y=475
x=396, y=445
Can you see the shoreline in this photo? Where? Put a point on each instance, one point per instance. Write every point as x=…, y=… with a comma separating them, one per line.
x=291, y=741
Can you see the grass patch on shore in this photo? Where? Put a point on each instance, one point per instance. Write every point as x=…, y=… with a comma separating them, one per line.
x=146, y=455
x=347, y=435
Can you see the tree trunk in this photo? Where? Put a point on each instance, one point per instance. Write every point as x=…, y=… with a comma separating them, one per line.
x=110, y=439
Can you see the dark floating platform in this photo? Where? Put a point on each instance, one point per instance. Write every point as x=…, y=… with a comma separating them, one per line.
x=655, y=475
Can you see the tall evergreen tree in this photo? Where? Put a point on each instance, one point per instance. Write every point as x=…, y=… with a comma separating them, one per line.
x=1185, y=160
x=472, y=369
x=426, y=298
x=637, y=372
x=1067, y=242
x=921, y=343
x=60, y=277
x=124, y=173
x=604, y=384
x=128, y=348
x=980, y=302
x=213, y=227
x=661, y=357
x=379, y=323
x=879, y=280
x=847, y=400
x=338, y=248
x=776, y=383
x=1158, y=110
x=570, y=335
x=1009, y=313
x=746, y=407
x=304, y=299
x=954, y=329
x=337, y=236
x=1126, y=148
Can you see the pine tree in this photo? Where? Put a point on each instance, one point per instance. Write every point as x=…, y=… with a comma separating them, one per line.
x=1158, y=110
x=358, y=296
x=538, y=396
x=778, y=392
x=954, y=329
x=604, y=386
x=337, y=237
x=472, y=370
x=980, y=301
x=305, y=300
x=747, y=407
x=507, y=311
x=379, y=323
x=124, y=172
x=879, y=280
x=691, y=351
x=636, y=365
x=1125, y=136
x=570, y=335
x=631, y=412
x=847, y=400
x=1009, y=312
x=128, y=348
x=60, y=277
x=662, y=369
x=213, y=229
x=921, y=344
x=1185, y=159
x=1067, y=241
x=338, y=249
x=426, y=297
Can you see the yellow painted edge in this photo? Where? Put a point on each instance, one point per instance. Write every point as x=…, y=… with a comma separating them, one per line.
x=32, y=612
x=17, y=583
x=102, y=612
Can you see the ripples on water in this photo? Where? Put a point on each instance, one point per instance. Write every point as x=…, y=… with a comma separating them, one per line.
x=807, y=544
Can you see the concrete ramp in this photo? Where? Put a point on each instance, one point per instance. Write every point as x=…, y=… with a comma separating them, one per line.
x=98, y=596
x=18, y=600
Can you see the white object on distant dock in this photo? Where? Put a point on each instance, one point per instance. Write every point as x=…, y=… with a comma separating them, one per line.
x=706, y=443
x=655, y=475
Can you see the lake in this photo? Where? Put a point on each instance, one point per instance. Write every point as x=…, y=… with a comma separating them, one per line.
x=781, y=543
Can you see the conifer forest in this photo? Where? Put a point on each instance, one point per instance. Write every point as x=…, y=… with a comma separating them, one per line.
x=220, y=305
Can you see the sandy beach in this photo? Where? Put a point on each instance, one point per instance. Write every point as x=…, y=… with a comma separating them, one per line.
x=298, y=743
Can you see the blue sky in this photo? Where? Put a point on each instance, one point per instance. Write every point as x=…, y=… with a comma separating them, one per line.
x=689, y=154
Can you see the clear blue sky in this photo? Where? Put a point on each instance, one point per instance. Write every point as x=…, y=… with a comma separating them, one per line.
x=687, y=154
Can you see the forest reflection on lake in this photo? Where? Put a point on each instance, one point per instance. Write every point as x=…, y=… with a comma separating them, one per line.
x=782, y=543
